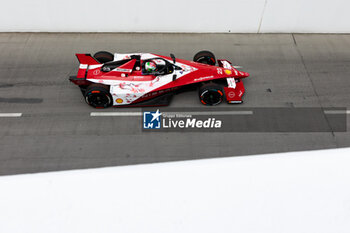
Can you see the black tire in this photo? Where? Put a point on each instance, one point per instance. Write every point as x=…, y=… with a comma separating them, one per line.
x=83, y=89
x=103, y=56
x=98, y=96
x=211, y=94
x=205, y=57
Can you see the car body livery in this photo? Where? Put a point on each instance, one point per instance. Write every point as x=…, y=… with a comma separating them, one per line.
x=119, y=80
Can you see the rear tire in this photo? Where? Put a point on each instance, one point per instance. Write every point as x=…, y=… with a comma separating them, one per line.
x=98, y=96
x=211, y=94
x=103, y=56
x=205, y=57
x=83, y=89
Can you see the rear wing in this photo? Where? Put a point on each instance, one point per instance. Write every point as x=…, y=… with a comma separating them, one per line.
x=87, y=59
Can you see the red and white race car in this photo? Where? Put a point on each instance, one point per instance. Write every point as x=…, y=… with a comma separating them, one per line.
x=146, y=79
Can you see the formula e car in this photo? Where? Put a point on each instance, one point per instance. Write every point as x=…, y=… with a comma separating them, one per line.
x=146, y=79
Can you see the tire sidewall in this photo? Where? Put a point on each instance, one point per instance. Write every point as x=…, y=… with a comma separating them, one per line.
x=206, y=56
x=101, y=91
x=205, y=91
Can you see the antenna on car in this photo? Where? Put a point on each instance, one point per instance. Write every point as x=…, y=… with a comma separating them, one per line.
x=173, y=57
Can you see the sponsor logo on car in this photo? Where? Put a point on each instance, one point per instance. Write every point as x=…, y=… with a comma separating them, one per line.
x=231, y=94
x=228, y=72
x=202, y=78
x=123, y=70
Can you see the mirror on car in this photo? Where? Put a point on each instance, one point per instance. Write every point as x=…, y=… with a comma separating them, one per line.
x=173, y=57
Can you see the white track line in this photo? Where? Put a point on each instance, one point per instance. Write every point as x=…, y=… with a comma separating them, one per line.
x=11, y=114
x=337, y=111
x=168, y=113
x=213, y=113
x=116, y=114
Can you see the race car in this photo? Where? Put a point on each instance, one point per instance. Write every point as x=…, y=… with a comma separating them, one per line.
x=146, y=79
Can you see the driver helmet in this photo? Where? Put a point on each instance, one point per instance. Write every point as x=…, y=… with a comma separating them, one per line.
x=150, y=66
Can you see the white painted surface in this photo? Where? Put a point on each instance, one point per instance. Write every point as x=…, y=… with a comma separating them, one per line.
x=306, y=16
x=176, y=16
x=337, y=111
x=11, y=114
x=116, y=114
x=172, y=113
x=289, y=193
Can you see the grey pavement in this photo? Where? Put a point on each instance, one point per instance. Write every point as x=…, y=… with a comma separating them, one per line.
x=56, y=131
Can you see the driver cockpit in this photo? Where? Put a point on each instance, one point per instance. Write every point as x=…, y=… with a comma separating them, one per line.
x=156, y=66
x=132, y=63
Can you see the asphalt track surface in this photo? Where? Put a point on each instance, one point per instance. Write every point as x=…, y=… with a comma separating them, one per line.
x=56, y=132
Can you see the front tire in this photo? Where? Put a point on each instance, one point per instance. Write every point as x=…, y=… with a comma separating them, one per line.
x=211, y=94
x=98, y=96
x=205, y=57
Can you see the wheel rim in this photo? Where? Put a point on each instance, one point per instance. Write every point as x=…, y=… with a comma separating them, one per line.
x=98, y=100
x=203, y=60
x=206, y=60
x=212, y=97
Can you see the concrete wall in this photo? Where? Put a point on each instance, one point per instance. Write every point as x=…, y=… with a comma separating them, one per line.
x=247, y=16
x=289, y=193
